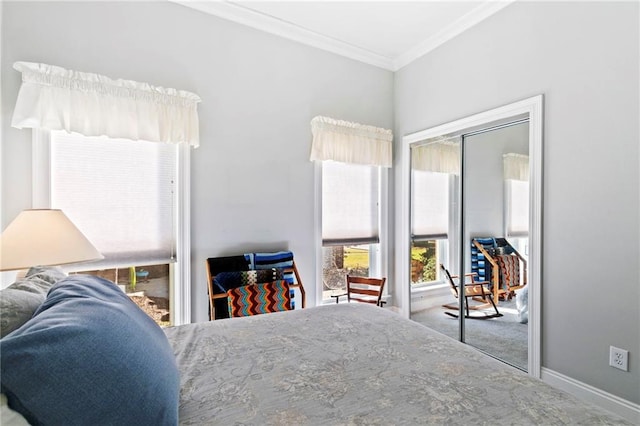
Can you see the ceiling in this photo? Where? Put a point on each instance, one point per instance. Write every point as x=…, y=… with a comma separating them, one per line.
x=387, y=34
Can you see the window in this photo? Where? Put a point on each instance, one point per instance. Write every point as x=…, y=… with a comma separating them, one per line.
x=516, y=201
x=127, y=198
x=350, y=224
x=517, y=214
x=429, y=225
x=119, y=193
x=350, y=194
x=52, y=98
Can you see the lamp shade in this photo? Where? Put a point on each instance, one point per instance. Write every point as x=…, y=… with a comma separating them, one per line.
x=43, y=237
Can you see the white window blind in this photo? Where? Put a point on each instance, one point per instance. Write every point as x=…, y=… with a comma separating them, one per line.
x=517, y=208
x=350, y=194
x=119, y=193
x=429, y=205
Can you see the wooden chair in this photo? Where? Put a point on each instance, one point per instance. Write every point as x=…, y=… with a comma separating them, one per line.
x=476, y=291
x=497, y=262
x=365, y=289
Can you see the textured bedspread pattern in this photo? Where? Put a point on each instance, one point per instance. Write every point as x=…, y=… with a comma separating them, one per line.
x=349, y=364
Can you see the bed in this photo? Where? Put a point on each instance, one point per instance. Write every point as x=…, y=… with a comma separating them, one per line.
x=88, y=355
x=354, y=364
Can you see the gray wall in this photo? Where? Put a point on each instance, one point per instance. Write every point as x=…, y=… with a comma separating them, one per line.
x=252, y=181
x=584, y=58
x=484, y=179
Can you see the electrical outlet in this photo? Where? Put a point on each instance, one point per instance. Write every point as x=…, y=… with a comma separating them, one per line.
x=619, y=358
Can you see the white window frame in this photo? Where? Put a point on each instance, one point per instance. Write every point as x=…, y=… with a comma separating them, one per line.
x=378, y=263
x=180, y=271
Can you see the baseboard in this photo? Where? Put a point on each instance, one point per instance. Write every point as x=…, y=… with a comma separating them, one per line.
x=615, y=404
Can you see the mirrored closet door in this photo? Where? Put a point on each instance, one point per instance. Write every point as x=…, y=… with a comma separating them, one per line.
x=474, y=212
x=496, y=219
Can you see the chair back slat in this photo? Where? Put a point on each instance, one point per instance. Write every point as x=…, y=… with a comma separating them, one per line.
x=365, y=289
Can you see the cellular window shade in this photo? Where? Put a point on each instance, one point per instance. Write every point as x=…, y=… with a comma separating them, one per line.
x=429, y=205
x=119, y=193
x=516, y=175
x=517, y=208
x=349, y=204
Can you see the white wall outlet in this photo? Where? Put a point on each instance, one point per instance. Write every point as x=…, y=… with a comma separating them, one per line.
x=619, y=358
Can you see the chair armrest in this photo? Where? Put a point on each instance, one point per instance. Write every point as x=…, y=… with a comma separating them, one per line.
x=219, y=296
x=338, y=296
x=477, y=283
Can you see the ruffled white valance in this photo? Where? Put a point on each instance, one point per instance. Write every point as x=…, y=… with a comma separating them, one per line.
x=516, y=166
x=441, y=157
x=348, y=142
x=55, y=98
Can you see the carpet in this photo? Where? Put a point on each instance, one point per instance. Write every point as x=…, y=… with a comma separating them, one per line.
x=504, y=338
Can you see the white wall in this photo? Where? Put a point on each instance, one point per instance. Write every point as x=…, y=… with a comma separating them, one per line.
x=252, y=182
x=584, y=58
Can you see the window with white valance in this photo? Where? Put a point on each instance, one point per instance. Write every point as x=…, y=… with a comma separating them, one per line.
x=97, y=157
x=54, y=98
x=432, y=164
x=353, y=162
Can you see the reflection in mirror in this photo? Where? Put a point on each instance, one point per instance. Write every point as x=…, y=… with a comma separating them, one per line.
x=435, y=171
x=492, y=204
x=495, y=241
x=434, y=177
x=496, y=221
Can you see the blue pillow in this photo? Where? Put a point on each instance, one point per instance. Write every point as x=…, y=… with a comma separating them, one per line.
x=90, y=356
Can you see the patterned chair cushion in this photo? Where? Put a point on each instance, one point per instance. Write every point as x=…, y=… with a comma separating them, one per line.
x=258, y=299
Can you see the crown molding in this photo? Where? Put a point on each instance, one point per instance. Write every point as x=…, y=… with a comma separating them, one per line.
x=242, y=15
x=263, y=22
x=477, y=15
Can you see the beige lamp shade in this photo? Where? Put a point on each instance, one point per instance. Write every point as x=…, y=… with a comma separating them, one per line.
x=43, y=237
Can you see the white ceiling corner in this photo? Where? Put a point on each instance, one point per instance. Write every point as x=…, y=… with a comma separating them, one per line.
x=389, y=35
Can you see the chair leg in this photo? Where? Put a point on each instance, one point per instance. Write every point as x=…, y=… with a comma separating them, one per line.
x=494, y=306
